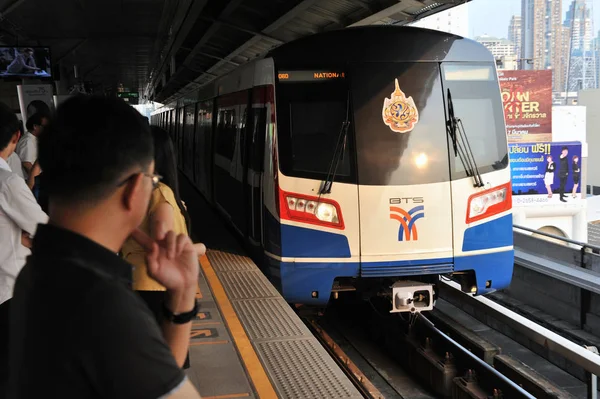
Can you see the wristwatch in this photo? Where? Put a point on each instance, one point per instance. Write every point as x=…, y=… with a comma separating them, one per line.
x=181, y=318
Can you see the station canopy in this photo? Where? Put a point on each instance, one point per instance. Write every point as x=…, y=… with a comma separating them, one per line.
x=164, y=48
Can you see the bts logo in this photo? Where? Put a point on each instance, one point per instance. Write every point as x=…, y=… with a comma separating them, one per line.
x=407, y=230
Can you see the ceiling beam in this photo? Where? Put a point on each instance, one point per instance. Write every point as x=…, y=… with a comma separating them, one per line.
x=70, y=51
x=227, y=11
x=398, y=8
x=242, y=29
x=189, y=19
x=285, y=18
x=10, y=8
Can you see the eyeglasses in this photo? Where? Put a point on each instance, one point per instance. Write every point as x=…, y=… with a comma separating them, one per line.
x=155, y=179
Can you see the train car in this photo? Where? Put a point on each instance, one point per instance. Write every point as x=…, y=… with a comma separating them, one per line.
x=371, y=159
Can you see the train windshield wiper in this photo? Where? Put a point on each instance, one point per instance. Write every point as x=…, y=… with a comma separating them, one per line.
x=460, y=142
x=338, y=154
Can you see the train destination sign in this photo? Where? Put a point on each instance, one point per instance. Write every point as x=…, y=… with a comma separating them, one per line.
x=309, y=76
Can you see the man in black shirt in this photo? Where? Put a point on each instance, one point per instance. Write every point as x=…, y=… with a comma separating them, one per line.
x=77, y=329
x=563, y=172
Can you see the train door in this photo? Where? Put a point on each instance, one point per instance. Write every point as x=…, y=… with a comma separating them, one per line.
x=255, y=139
x=172, y=125
x=203, y=148
x=187, y=153
x=229, y=157
x=403, y=174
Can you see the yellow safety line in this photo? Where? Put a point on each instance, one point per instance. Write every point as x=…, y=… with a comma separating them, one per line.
x=233, y=395
x=208, y=343
x=257, y=373
x=208, y=323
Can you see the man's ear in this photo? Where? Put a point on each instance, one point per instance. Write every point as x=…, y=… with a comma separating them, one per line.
x=134, y=188
x=16, y=136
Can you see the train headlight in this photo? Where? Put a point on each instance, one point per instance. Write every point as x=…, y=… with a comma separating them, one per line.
x=326, y=213
x=309, y=209
x=489, y=203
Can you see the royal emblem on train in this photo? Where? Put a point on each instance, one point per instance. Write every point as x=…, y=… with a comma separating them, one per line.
x=399, y=112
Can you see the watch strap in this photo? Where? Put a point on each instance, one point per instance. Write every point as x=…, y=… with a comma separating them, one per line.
x=181, y=318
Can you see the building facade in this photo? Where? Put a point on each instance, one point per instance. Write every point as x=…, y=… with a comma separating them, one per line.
x=515, y=33
x=455, y=21
x=583, y=67
x=542, y=36
x=497, y=46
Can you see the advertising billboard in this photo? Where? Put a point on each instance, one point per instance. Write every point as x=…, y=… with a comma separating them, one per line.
x=540, y=172
x=527, y=99
x=35, y=98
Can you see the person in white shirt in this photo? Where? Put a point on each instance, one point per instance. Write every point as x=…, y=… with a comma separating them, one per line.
x=27, y=146
x=14, y=161
x=20, y=215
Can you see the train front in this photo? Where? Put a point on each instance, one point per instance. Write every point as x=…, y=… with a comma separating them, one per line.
x=392, y=174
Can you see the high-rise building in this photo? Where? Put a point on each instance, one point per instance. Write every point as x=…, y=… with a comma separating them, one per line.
x=582, y=71
x=579, y=20
x=561, y=70
x=455, y=21
x=541, y=35
x=597, y=50
x=498, y=47
x=515, y=32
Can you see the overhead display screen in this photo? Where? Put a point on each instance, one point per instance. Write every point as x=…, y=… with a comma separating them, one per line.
x=25, y=62
x=309, y=76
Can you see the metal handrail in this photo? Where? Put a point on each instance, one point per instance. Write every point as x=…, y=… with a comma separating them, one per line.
x=583, y=245
x=584, y=357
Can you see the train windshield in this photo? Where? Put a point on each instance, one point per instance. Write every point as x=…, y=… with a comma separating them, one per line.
x=311, y=114
x=397, y=134
x=478, y=106
x=399, y=123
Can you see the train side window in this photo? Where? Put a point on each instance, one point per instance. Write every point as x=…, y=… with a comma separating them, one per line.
x=226, y=132
x=243, y=134
x=258, y=138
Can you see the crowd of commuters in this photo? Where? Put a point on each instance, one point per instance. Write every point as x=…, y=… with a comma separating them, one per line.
x=97, y=294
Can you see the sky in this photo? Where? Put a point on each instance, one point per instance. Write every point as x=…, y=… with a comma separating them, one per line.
x=492, y=17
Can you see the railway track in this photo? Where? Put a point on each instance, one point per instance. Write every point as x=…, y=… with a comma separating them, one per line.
x=433, y=355
x=442, y=366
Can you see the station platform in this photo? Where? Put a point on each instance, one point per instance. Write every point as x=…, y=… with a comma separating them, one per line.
x=246, y=341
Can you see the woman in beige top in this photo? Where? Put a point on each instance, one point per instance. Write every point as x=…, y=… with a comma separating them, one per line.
x=165, y=204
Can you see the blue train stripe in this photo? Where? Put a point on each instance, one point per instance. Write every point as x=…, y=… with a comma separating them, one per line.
x=493, y=234
x=300, y=242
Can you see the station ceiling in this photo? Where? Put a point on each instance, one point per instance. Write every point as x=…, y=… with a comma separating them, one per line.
x=163, y=48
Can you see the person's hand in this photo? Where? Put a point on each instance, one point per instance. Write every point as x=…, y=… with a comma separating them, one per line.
x=35, y=169
x=172, y=259
x=26, y=240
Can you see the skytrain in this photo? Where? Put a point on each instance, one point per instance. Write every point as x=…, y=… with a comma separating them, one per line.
x=370, y=159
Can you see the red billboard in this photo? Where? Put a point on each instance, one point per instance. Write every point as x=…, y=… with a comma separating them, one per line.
x=527, y=98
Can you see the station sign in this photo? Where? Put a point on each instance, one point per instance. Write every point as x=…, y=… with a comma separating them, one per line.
x=310, y=76
x=131, y=97
x=527, y=99
x=538, y=172
x=128, y=94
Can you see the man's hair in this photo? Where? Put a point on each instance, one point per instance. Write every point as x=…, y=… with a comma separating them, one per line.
x=89, y=147
x=9, y=125
x=35, y=119
x=565, y=148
